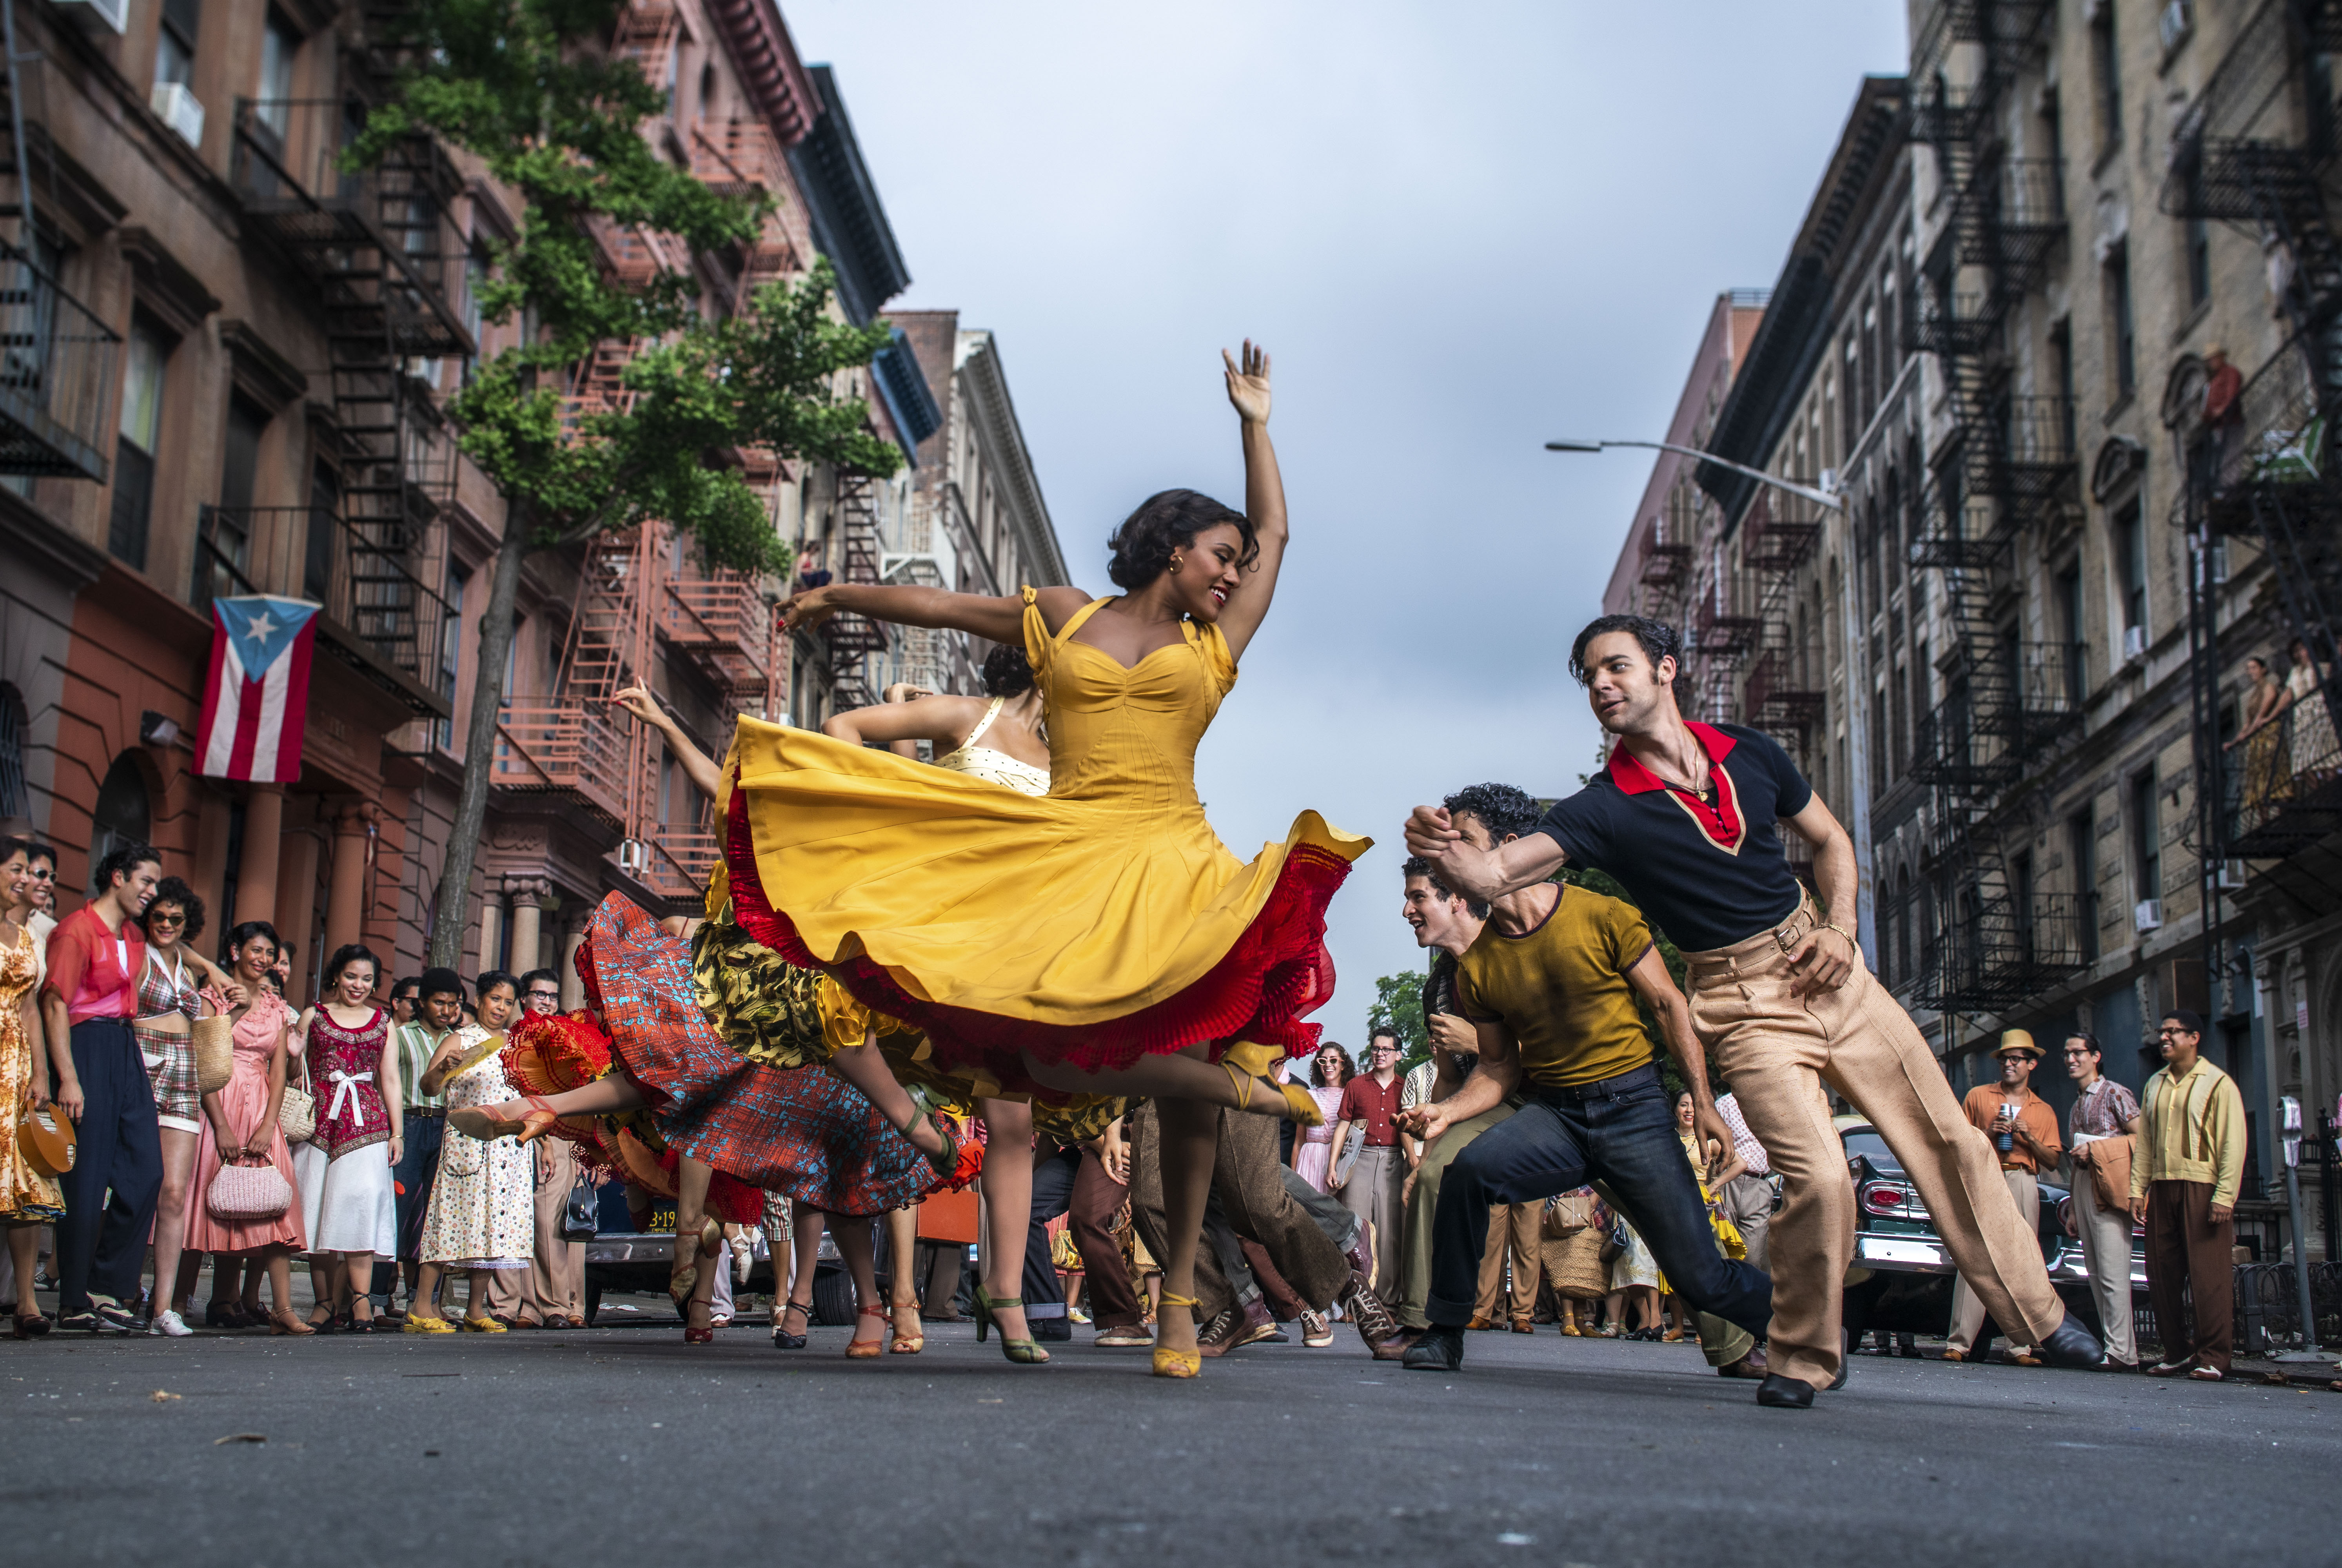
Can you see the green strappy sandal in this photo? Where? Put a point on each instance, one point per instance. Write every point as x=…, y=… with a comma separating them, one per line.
x=1024, y=1352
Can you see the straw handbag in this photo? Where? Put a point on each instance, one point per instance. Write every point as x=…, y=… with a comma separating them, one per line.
x=296, y=1114
x=214, y=1041
x=46, y=1137
x=243, y=1192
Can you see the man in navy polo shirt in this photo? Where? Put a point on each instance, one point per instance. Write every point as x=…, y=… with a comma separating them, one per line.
x=1684, y=817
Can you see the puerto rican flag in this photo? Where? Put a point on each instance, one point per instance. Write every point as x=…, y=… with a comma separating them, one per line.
x=256, y=699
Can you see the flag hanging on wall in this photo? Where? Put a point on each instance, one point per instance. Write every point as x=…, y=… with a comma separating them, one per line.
x=256, y=699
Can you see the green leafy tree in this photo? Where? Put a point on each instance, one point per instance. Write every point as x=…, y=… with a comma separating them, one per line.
x=1398, y=1005
x=526, y=86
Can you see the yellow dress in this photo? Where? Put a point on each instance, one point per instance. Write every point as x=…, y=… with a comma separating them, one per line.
x=25, y=1195
x=1091, y=926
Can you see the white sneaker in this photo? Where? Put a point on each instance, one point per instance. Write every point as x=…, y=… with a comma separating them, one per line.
x=168, y=1321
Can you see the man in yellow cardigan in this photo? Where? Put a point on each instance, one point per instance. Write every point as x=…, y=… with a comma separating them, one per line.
x=2184, y=1176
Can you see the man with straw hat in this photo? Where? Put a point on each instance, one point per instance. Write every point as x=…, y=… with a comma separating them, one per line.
x=2024, y=1133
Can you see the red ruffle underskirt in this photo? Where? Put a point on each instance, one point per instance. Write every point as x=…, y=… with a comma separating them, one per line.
x=1262, y=990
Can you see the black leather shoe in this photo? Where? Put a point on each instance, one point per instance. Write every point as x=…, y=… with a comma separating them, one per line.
x=1845, y=1365
x=1439, y=1350
x=1781, y=1393
x=2072, y=1345
x=1052, y=1330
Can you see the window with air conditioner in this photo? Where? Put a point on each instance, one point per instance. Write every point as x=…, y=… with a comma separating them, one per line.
x=173, y=97
x=2148, y=915
x=2133, y=643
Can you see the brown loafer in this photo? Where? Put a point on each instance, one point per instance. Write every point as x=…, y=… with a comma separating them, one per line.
x=1523, y=1325
x=1480, y=1323
x=1395, y=1347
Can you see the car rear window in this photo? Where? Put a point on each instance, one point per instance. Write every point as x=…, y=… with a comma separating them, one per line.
x=1872, y=1148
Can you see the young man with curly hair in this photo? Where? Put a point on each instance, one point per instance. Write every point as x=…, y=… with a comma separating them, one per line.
x=1687, y=817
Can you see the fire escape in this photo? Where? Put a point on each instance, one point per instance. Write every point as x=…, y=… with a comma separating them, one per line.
x=1785, y=694
x=645, y=600
x=378, y=252
x=2258, y=149
x=2006, y=463
x=856, y=640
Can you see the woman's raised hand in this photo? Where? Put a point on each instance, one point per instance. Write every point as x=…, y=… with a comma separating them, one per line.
x=638, y=702
x=1249, y=383
x=807, y=611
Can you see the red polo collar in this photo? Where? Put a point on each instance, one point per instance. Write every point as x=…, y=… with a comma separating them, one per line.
x=1721, y=824
x=1633, y=778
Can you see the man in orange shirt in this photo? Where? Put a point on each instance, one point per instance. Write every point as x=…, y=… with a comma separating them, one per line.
x=2024, y=1133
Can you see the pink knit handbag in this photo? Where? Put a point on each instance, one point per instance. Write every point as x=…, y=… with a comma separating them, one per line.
x=240, y=1193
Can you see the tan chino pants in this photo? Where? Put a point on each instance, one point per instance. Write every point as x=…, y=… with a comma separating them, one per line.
x=1778, y=1049
x=1967, y=1307
x=1512, y=1228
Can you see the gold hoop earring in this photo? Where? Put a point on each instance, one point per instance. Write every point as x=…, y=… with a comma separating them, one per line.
x=1175, y=565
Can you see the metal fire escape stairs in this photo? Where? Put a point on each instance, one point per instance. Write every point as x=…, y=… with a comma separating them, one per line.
x=379, y=251
x=2257, y=148
x=856, y=640
x=2006, y=462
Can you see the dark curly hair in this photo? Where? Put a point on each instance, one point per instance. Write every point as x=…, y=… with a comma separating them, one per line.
x=1659, y=641
x=126, y=859
x=1165, y=521
x=1007, y=672
x=1317, y=1069
x=175, y=889
x=1503, y=811
x=244, y=931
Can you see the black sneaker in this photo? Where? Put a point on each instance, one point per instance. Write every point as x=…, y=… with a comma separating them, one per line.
x=1051, y=1330
x=1439, y=1350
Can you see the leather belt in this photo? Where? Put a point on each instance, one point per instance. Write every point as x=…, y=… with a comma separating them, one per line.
x=1601, y=1088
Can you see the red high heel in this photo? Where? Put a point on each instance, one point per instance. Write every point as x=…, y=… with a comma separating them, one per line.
x=704, y=1334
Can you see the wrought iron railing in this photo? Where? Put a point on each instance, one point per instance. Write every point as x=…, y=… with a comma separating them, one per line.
x=56, y=373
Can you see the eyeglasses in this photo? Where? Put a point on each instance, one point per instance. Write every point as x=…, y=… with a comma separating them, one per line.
x=544, y=997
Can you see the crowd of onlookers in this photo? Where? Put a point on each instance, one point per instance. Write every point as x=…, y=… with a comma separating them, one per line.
x=211, y=1120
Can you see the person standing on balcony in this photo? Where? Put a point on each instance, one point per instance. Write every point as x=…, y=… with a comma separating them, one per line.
x=2098, y=1138
x=2024, y=1133
x=1687, y=817
x=2269, y=766
x=2185, y=1174
x=2314, y=749
x=88, y=1003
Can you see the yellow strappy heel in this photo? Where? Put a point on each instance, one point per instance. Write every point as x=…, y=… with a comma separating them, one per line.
x=1177, y=1363
x=1301, y=1106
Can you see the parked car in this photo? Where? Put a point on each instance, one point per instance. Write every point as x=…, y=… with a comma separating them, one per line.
x=637, y=1254
x=1901, y=1277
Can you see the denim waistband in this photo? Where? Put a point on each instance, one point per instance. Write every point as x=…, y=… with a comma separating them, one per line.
x=1600, y=1089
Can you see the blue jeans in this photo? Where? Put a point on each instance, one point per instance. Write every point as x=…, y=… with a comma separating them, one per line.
x=1620, y=1131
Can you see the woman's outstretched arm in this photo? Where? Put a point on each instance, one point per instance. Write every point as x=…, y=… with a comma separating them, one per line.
x=702, y=773
x=1263, y=497
x=943, y=720
x=997, y=619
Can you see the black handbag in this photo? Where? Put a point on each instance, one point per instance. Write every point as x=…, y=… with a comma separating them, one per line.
x=580, y=1216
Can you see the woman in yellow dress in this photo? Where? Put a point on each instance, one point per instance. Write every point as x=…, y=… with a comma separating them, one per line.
x=997, y=738
x=28, y=1200
x=1100, y=939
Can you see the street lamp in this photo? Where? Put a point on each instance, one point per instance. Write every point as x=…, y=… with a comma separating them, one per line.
x=1827, y=496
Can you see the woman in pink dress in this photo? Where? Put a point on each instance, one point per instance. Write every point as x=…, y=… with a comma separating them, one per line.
x=1328, y=1070
x=240, y=1123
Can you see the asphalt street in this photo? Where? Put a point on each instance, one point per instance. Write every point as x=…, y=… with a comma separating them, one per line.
x=624, y=1445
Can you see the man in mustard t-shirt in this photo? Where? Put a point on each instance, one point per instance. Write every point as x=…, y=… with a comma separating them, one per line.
x=1550, y=987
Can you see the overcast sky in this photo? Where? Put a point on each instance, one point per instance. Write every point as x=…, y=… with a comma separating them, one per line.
x=1461, y=229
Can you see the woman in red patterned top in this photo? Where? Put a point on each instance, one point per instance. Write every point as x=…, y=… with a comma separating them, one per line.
x=351, y=1215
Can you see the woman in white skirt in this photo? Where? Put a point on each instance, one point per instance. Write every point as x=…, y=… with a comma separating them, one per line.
x=482, y=1213
x=351, y=1204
